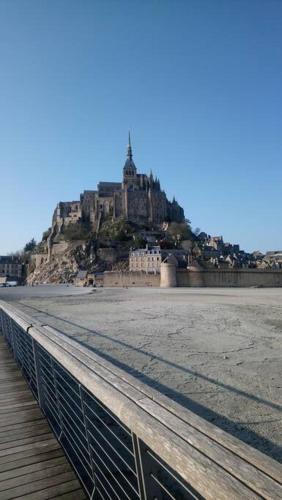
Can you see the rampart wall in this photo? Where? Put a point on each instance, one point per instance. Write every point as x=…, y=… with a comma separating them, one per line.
x=116, y=278
x=200, y=278
x=229, y=278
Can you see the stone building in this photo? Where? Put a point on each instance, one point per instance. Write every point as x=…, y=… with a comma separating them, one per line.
x=146, y=259
x=138, y=198
x=67, y=212
x=274, y=259
x=11, y=267
x=149, y=259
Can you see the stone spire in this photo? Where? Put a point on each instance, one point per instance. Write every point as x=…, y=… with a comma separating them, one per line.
x=129, y=169
x=129, y=148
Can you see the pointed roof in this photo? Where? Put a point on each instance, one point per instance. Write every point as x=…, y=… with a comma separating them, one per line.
x=129, y=163
x=129, y=148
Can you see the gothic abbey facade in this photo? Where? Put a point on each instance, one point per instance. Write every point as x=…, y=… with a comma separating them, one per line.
x=138, y=198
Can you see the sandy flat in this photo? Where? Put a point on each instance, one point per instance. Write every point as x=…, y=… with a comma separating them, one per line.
x=215, y=351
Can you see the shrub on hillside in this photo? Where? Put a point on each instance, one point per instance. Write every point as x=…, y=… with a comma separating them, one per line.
x=76, y=231
x=117, y=230
x=179, y=231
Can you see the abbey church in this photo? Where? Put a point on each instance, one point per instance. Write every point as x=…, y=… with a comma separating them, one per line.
x=138, y=198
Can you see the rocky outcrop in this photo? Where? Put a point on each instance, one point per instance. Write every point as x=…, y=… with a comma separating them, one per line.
x=67, y=258
x=61, y=267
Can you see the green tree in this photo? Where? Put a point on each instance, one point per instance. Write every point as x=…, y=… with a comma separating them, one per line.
x=138, y=241
x=46, y=234
x=118, y=230
x=30, y=246
x=179, y=231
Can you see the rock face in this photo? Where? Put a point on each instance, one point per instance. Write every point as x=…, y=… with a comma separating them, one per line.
x=67, y=258
x=61, y=268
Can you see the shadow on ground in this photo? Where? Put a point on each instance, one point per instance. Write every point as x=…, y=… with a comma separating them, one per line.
x=240, y=431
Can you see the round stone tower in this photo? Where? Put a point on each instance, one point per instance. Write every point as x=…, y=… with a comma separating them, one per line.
x=168, y=272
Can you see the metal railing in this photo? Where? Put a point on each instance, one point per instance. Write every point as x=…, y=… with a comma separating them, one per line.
x=120, y=442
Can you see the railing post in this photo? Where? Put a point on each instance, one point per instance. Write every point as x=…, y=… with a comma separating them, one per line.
x=57, y=400
x=138, y=465
x=12, y=338
x=88, y=442
x=149, y=489
x=40, y=393
x=1, y=323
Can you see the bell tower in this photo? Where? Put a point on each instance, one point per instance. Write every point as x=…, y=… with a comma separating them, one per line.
x=129, y=169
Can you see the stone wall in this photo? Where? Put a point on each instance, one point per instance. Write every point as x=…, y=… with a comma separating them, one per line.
x=38, y=259
x=211, y=278
x=117, y=278
x=137, y=208
x=60, y=248
x=229, y=278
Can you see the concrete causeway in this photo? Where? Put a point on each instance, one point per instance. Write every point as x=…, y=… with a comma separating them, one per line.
x=217, y=351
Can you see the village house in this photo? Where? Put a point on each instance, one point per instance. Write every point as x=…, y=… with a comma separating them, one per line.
x=146, y=259
x=12, y=268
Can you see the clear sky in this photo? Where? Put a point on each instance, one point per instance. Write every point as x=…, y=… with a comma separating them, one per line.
x=198, y=83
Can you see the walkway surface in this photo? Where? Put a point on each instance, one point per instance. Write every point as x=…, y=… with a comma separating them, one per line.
x=32, y=463
x=217, y=352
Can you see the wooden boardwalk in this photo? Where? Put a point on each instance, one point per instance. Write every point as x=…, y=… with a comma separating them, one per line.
x=32, y=463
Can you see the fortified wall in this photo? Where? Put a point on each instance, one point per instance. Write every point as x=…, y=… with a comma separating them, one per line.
x=229, y=278
x=171, y=277
x=130, y=279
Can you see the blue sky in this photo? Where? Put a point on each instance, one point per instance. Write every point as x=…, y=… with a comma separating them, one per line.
x=198, y=83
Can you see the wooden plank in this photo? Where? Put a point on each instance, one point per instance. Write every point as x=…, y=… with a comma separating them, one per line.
x=11, y=444
x=11, y=368
x=21, y=425
x=6, y=387
x=52, y=491
x=10, y=378
x=14, y=392
x=37, y=486
x=21, y=416
x=26, y=447
x=15, y=396
x=25, y=432
x=32, y=459
x=20, y=471
x=262, y=484
x=24, y=398
x=5, y=353
x=25, y=412
x=41, y=448
x=34, y=476
x=14, y=407
x=9, y=374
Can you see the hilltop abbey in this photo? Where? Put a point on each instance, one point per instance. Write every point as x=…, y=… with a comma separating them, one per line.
x=138, y=198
